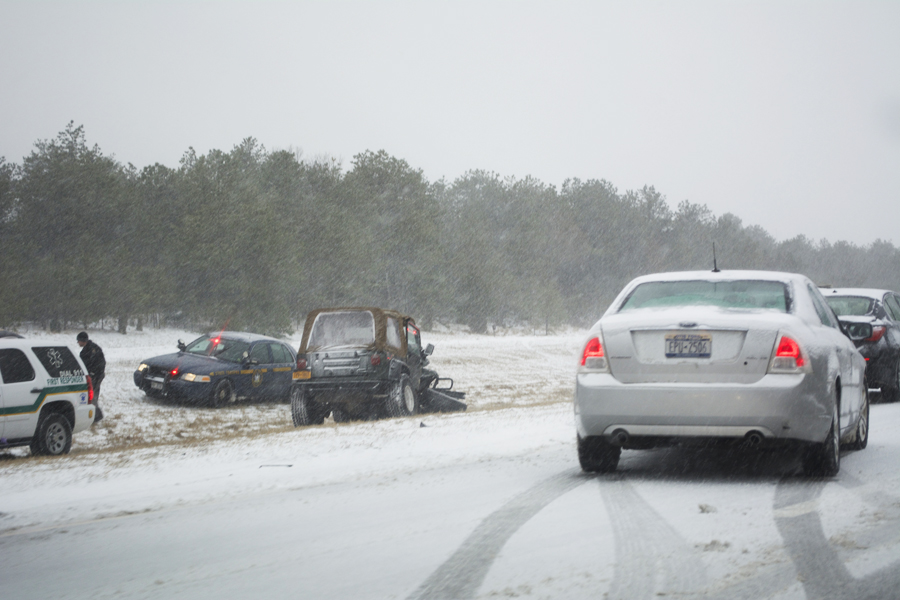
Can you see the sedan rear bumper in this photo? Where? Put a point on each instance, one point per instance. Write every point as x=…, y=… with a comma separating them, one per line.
x=776, y=408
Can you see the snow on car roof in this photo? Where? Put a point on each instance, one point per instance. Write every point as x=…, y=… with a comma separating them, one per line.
x=720, y=276
x=868, y=292
x=240, y=335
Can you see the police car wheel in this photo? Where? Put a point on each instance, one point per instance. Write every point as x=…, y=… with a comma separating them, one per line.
x=223, y=394
x=53, y=436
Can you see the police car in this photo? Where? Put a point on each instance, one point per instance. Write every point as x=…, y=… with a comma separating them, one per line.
x=45, y=396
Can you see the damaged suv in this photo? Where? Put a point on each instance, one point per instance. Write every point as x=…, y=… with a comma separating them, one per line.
x=365, y=363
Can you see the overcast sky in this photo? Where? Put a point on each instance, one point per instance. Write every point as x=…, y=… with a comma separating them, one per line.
x=786, y=114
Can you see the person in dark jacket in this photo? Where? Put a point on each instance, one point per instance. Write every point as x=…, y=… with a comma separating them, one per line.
x=93, y=359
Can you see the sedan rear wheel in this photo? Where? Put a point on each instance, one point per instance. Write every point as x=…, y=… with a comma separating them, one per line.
x=824, y=459
x=597, y=455
x=862, y=427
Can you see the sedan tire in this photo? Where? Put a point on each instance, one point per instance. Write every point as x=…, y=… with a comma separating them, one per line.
x=891, y=393
x=597, y=455
x=824, y=459
x=223, y=394
x=861, y=439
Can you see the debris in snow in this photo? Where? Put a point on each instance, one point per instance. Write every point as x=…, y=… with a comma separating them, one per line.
x=422, y=424
x=261, y=466
x=716, y=546
x=706, y=508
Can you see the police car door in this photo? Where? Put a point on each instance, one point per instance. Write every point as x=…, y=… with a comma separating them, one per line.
x=259, y=367
x=281, y=371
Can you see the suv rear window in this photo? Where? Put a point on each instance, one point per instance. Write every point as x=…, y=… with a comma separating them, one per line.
x=58, y=360
x=726, y=294
x=14, y=366
x=356, y=328
x=850, y=305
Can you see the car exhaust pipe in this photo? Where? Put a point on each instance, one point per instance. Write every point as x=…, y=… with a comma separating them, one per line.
x=619, y=437
x=753, y=439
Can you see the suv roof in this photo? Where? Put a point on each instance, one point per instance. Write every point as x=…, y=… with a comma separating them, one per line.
x=381, y=315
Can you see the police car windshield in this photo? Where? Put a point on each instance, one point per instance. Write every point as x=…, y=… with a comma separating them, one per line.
x=219, y=347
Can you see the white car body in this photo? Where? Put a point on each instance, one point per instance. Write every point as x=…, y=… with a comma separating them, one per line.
x=639, y=397
x=56, y=384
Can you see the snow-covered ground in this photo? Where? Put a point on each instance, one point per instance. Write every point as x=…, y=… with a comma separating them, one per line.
x=166, y=501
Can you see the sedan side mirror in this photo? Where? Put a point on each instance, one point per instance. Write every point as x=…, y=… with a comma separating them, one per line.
x=858, y=331
x=181, y=346
x=429, y=349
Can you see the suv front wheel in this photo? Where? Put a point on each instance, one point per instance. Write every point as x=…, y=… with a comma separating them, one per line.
x=402, y=401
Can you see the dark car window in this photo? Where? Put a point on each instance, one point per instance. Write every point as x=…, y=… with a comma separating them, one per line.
x=825, y=315
x=350, y=328
x=850, y=305
x=280, y=354
x=260, y=353
x=893, y=306
x=726, y=294
x=58, y=360
x=392, y=333
x=230, y=350
x=412, y=339
x=14, y=366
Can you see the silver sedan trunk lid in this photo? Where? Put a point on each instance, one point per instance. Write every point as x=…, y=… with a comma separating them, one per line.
x=691, y=344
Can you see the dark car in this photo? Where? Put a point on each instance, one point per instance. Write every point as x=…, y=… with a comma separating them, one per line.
x=881, y=308
x=362, y=363
x=219, y=369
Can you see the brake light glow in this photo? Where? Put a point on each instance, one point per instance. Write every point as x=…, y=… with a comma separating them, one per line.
x=174, y=372
x=877, y=333
x=788, y=357
x=90, y=383
x=593, y=357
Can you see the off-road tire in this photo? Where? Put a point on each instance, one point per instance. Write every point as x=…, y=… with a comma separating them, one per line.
x=53, y=436
x=304, y=411
x=823, y=459
x=597, y=455
x=403, y=400
x=340, y=415
x=223, y=394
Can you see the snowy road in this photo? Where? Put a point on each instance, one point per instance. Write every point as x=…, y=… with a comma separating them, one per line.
x=487, y=504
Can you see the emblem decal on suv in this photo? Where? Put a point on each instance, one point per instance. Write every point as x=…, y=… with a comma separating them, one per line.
x=55, y=357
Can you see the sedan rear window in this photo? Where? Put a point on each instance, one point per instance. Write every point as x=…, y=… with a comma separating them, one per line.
x=355, y=328
x=748, y=294
x=850, y=305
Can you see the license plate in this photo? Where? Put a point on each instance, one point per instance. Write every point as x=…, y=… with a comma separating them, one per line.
x=301, y=374
x=688, y=345
x=155, y=385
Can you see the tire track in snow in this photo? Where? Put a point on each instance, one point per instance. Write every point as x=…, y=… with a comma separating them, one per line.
x=460, y=576
x=652, y=559
x=818, y=565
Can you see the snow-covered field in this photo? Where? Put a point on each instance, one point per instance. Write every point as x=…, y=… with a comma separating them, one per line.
x=167, y=501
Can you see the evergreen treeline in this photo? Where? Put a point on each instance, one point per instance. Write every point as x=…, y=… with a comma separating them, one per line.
x=252, y=240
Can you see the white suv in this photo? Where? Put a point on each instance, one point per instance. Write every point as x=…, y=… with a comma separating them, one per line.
x=45, y=396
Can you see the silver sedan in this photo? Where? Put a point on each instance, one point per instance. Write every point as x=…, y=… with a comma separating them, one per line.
x=749, y=357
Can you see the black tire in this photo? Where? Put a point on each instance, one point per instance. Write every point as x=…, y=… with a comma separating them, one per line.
x=823, y=459
x=223, y=394
x=891, y=393
x=597, y=455
x=340, y=415
x=53, y=436
x=403, y=400
x=861, y=439
x=304, y=411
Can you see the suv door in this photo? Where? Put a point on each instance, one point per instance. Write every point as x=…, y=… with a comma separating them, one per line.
x=20, y=394
x=414, y=356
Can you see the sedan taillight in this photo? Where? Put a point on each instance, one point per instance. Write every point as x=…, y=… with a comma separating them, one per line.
x=788, y=357
x=877, y=333
x=593, y=357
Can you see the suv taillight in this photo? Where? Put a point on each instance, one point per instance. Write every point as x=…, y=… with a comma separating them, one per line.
x=301, y=363
x=375, y=359
x=90, y=383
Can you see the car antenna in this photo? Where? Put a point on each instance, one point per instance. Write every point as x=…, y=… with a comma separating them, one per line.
x=715, y=267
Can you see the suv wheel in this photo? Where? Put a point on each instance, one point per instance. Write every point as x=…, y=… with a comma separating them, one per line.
x=303, y=410
x=53, y=436
x=402, y=401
